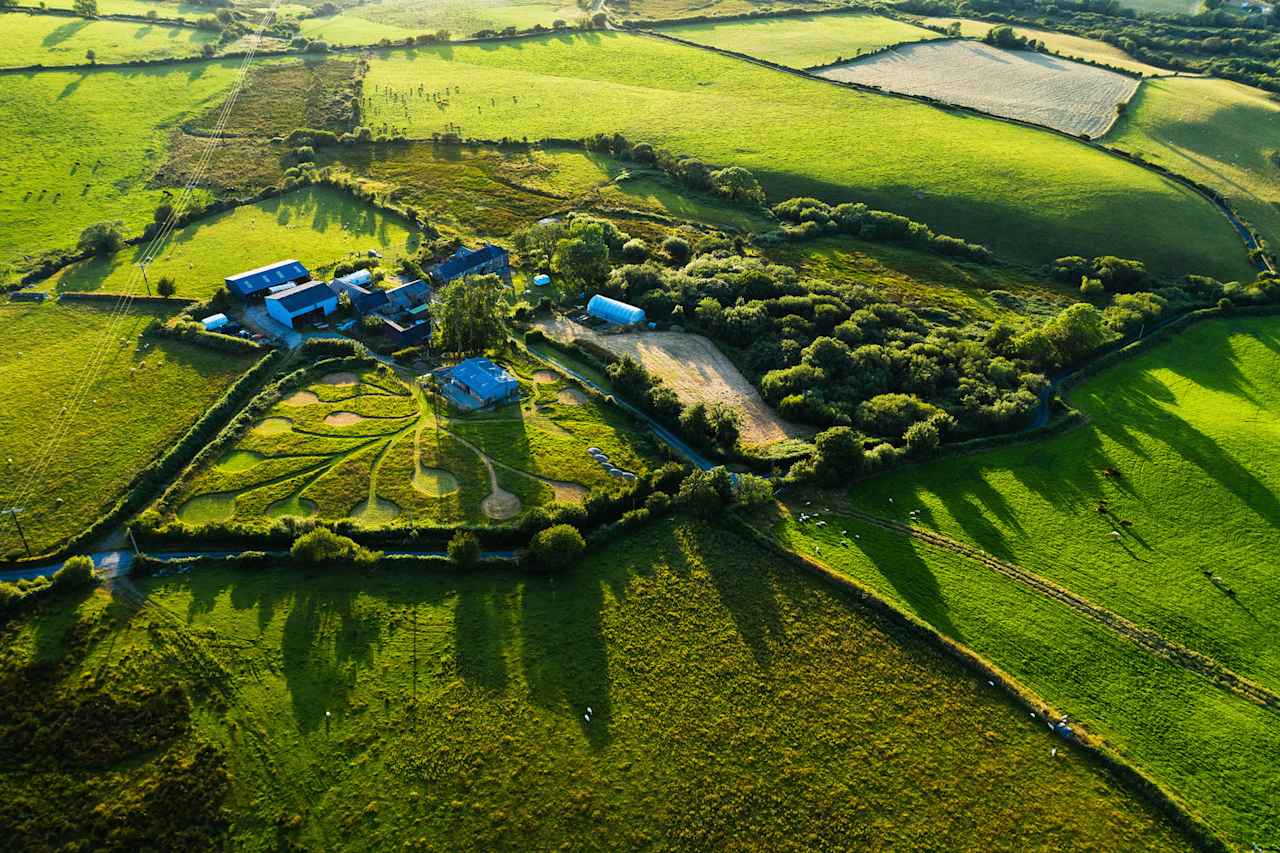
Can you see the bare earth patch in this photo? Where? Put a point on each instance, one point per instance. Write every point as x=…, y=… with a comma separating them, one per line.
x=571, y=397
x=546, y=376
x=695, y=369
x=301, y=398
x=500, y=505
x=343, y=378
x=343, y=419
x=1019, y=84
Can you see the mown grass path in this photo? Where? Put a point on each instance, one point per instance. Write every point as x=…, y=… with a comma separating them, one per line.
x=1148, y=640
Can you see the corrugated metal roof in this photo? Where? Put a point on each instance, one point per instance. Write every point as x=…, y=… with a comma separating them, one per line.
x=303, y=297
x=409, y=295
x=281, y=272
x=486, y=380
x=464, y=260
x=360, y=278
x=614, y=311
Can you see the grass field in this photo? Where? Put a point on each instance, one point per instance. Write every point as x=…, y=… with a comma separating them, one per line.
x=1060, y=43
x=1191, y=429
x=367, y=23
x=318, y=225
x=924, y=281
x=1217, y=132
x=858, y=735
x=90, y=141
x=162, y=8
x=804, y=42
x=1068, y=96
x=57, y=40
x=1047, y=197
x=1164, y=7
x=149, y=393
x=369, y=448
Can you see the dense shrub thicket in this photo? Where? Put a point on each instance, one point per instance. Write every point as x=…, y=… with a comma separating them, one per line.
x=76, y=572
x=808, y=217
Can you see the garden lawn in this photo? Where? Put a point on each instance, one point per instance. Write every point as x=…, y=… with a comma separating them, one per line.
x=58, y=40
x=317, y=225
x=128, y=418
x=1212, y=749
x=90, y=141
x=803, y=42
x=1031, y=195
x=1217, y=132
x=1191, y=429
x=1063, y=44
x=682, y=688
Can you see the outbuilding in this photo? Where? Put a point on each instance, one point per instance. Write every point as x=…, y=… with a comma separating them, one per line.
x=483, y=380
x=305, y=303
x=541, y=280
x=613, y=311
x=214, y=322
x=258, y=282
x=487, y=259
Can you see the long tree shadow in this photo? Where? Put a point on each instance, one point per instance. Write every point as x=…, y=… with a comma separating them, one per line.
x=897, y=559
x=565, y=660
x=481, y=628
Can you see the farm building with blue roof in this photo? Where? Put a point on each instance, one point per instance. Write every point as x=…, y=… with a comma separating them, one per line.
x=306, y=302
x=482, y=380
x=261, y=280
x=487, y=259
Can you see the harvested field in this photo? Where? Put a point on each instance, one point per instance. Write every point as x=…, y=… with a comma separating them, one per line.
x=695, y=369
x=1062, y=44
x=1018, y=84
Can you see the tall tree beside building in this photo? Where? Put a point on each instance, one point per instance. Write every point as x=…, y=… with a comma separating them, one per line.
x=470, y=314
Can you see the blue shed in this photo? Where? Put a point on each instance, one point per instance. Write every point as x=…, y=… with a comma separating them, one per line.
x=484, y=380
x=487, y=259
x=307, y=302
x=614, y=311
x=254, y=282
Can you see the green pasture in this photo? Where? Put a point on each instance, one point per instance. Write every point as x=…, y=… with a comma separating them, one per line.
x=90, y=141
x=317, y=225
x=803, y=42
x=1164, y=7
x=498, y=709
x=655, y=191
x=1207, y=746
x=372, y=448
x=147, y=394
x=162, y=8
x=1217, y=132
x=368, y=23
x=58, y=40
x=1190, y=427
x=922, y=280
x=1030, y=194
x=1189, y=430
x=1064, y=44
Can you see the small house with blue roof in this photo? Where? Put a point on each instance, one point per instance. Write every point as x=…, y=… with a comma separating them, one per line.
x=483, y=381
x=487, y=259
x=257, y=282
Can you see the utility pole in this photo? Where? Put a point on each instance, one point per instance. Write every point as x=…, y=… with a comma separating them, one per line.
x=13, y=511
x=142, y=265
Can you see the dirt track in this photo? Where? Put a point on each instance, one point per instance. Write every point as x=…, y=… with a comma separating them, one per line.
x=695, y=369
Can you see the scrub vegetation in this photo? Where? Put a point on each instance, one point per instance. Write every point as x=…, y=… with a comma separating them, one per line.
x=1051, y=196
x=341, y=707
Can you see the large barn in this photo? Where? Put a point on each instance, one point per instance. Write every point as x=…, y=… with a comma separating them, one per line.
x=258, y=282
x=305, y=303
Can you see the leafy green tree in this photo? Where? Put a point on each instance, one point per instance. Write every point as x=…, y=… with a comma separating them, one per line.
x=705, y=493
x=322, y=546
x=738, y=184
x=839, y=455
x=677, y=248
x=470, y=314
x=91, y=55
x=75, y=572
x=1076, y=332
x=166, y=286
x=582, y=256
x=537, y=243
x=752, y=490
x=557, y=547
x=102, y=238
x=87, y=8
